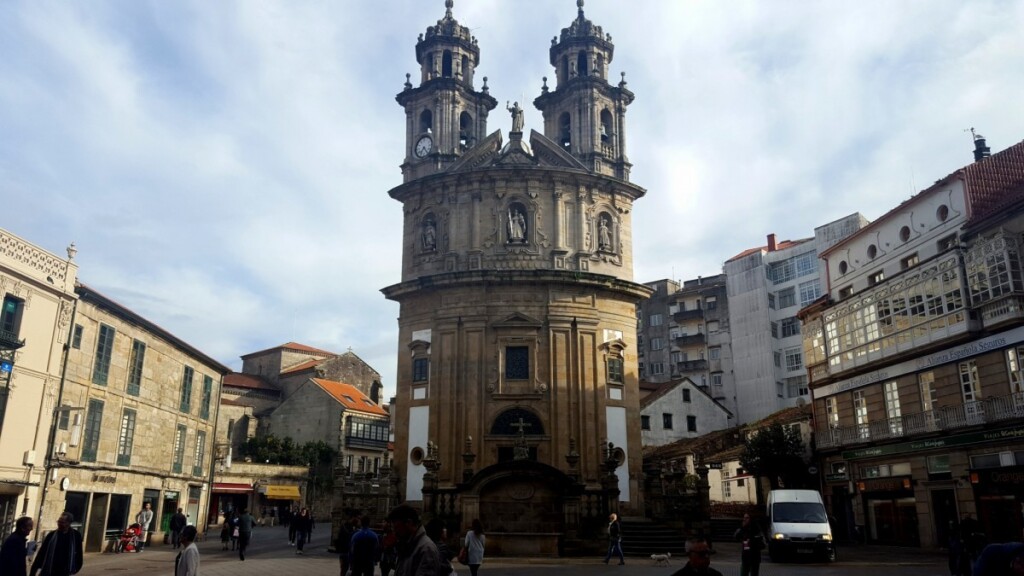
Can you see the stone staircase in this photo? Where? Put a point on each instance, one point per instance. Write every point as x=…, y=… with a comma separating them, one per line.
x=722, y=529
x=643, y=537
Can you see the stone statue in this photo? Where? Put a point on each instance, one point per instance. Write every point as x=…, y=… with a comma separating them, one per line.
x=516, y=226
x=517, y=116
x=604, y=236
x=429, y=235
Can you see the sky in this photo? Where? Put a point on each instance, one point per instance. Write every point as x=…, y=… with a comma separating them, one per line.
x=223, y=167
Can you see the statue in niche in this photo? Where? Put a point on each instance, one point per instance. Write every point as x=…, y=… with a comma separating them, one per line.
x=517, y=116
x=429, y=235
x=516, y=226
x=604, y=236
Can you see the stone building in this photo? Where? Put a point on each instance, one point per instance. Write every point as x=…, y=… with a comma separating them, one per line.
x=680, y=409
x=137, y=409
x=914, y=358
x=517, y=397
x=37, y=287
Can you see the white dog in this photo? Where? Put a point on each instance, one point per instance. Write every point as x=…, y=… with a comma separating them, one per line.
x=662, y=559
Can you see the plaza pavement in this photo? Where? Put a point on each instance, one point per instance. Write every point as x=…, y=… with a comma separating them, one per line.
x=270, y=555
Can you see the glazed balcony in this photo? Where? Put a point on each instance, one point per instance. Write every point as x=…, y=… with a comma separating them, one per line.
x=982, y=412
x=692, y=366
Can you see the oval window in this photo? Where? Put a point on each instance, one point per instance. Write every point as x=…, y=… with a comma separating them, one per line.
x=416, y=456
x=872, y=251
x=942, y=213
x=842, y=267
x=905, y=233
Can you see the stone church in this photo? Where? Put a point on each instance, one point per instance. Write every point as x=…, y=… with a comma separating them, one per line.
x=517, y=389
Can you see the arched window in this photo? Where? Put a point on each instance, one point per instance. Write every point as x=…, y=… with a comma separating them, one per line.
x=465, y=130
x=430, y=65
x=426, y=122
x=606, y=126
x=446, y=64
x=565, y=68
x=565, y=130
x=467, y=73
x=599, y=67
x=581, y=63
x=508, y=423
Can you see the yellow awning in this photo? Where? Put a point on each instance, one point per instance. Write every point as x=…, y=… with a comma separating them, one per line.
x=283, y=492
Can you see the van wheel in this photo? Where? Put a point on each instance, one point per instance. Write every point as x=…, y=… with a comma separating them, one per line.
x=831, y=555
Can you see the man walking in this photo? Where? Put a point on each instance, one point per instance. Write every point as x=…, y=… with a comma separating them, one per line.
x=144, y=518
x=364, y=550
x=417, y=554
x=244, y=532
x=14, y=552
x=61, y=551
x=614, y=539
x=187, y=562
x=178, y=523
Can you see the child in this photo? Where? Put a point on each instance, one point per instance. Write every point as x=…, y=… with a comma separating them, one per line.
x=225, y=534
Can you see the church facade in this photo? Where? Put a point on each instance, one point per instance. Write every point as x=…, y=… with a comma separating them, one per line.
x=517, y=395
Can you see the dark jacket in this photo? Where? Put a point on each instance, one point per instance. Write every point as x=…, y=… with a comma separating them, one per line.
x=364, y=550
x=752, y=539
x=303, y=524
x=178, y=522
x=13, y=555
x=614, y=530
x=59, y=554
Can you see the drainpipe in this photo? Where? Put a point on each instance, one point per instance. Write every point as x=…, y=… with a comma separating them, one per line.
x=213, y=455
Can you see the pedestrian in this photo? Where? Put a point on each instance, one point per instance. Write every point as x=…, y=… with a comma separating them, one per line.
x=955, y=548
x=972, y=541
x=187, y=561
x=344, y=544
x=439, y=534
x=234, y=530
x=388, y=551
x=364, y=551
x=225, y=533
x=144, y=518
x=474, y=543
x=417, y=554
x=699, y=559
x=177, y=524
x=303, y=526
x=14, y=552
x=244, y=532
x=60, y=554
x=291, y=526
x=614, y=539
x=751, y=541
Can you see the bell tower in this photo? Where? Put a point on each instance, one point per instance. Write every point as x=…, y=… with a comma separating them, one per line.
x=585, y=114
x=445, y=116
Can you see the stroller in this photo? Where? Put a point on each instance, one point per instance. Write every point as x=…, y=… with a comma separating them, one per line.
x=129, y=540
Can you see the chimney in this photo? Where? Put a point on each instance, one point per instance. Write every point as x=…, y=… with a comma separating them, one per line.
x=981, y=151
x=771, y=243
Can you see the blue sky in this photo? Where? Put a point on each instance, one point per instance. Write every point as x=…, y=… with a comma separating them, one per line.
x=223, y=167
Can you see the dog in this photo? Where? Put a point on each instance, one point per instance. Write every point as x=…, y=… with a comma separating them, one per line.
x=660, y=559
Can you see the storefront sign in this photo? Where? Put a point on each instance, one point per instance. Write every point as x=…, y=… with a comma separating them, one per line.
x=1014, y=433
x=946, y=356
x=104, y=479
x=1013, y=476
x=884, y=485
x=840, y=477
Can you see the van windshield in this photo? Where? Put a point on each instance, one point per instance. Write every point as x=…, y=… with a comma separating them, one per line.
x=799, y=512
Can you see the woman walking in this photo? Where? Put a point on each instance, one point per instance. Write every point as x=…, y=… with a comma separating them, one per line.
x=474, y=543
x=303, y=526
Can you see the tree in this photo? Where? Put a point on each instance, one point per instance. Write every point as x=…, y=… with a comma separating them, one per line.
x=776, y=453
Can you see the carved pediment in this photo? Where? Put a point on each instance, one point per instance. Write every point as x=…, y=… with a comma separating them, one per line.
x=549, y=153
x=419, y=347
x=519, y=320
x=482, y=154
x=616, y=347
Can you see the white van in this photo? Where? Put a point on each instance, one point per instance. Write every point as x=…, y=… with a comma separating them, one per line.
x=798, y=525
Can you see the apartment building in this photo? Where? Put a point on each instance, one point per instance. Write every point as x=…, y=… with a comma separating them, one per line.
x=38, y=293
x=766, y=287
x=914, y=362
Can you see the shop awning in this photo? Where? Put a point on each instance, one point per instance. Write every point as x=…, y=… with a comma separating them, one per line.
x=283, y=492
x=230, y=487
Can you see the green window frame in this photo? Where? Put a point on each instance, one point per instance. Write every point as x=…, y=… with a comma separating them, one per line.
x=138, y=358
x=204, y=409
x=179, y=448
x=104, y=351
x=126, y=437
x=93, y=426
x=200, y=455
x=187, y=375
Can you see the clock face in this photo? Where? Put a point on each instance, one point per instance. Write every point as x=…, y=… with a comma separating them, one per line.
x=423, y=146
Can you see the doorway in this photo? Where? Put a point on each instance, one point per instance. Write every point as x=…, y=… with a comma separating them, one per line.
x=96, y=523
x=944, y=513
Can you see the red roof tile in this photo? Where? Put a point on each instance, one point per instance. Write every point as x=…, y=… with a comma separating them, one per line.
x=292, y=346
x=349, y=396
x=240, y=380
x=995, y=182
x=780, y=246
x=303, y=366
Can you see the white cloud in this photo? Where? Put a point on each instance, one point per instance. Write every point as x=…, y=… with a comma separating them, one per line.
x=224, y=167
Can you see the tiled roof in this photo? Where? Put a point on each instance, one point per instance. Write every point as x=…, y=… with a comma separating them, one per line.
x=251, y=381
x=995, y=182
x=311, y=363
x=666, y=387
x=780, y=246
x=292, y=346
x=349, y=396
x=789, y=415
